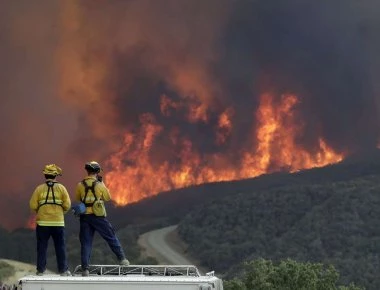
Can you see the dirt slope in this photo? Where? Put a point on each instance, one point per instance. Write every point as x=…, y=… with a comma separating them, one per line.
x=21, y=270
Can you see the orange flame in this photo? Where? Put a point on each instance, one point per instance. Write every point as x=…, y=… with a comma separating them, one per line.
x=138, y=171
x=277, y=148
x=224, y=126
x=31, y=223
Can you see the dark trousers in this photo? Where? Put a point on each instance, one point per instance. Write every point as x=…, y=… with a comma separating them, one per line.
x=43, y=235
x=90, y=223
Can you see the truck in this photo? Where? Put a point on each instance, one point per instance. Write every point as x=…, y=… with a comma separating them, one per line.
x=133, y=277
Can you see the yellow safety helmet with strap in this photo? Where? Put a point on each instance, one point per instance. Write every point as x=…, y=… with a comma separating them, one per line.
x=52, y=169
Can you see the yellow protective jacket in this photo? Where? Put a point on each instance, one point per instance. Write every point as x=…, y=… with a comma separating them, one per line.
x=50, y=208
x=101, y=192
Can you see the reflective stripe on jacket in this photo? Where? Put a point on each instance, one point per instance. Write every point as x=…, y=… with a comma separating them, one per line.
x=50, y=211
x=101, y=191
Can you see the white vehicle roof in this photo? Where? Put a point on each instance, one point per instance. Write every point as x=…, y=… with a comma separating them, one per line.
x=107, y=279
x=118, y=277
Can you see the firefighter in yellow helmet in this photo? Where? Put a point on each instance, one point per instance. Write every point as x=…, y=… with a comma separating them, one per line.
x=50, y=200
x=92, y=192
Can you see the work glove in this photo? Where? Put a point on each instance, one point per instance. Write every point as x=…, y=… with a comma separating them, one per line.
x=78, y=209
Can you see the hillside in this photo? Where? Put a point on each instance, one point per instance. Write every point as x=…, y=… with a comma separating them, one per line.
x=16, y=270
x=334, y=222
x=186, y=199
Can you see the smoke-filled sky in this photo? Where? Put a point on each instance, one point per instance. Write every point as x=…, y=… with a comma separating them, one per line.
x=78, y=78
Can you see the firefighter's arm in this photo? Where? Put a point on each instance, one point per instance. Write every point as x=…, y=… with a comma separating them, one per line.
x=105, y=192
x=33, y=203
x=78, y=192
x=66, y=202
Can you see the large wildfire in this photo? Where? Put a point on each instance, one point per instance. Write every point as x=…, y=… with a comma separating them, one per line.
x=135, y=176
x=169, y=94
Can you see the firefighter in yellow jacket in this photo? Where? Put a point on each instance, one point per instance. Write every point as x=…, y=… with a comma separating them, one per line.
x=50, y=200
x=88, y=191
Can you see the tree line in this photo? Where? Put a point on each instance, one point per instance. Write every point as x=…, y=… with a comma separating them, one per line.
x=334, y=223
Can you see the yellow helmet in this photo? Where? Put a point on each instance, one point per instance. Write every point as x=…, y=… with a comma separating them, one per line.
x=52, y=169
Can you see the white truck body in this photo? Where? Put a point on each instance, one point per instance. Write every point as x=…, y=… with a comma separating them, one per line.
x=126, y=277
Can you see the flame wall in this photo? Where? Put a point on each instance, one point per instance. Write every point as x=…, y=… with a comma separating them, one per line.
x=171, y=93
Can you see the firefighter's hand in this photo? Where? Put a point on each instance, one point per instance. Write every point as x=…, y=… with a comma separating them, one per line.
x=100, y=178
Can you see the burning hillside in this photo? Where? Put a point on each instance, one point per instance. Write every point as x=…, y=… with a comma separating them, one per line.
x=136, y=171
x=168, y=109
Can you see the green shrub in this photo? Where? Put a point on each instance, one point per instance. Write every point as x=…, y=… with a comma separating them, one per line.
x=262, y=274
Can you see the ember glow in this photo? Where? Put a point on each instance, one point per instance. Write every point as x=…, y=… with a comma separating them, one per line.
x=31, y=223
x=135, y=173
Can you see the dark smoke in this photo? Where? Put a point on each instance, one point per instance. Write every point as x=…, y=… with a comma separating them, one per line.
x=219, y=53
x=317, y=50
x=322, y=51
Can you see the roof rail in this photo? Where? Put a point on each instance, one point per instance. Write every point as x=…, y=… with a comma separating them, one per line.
x=146, y=270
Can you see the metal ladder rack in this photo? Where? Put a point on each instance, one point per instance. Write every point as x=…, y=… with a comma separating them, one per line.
x=144, y=270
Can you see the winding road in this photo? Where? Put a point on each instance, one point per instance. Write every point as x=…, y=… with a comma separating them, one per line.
x=157, y=244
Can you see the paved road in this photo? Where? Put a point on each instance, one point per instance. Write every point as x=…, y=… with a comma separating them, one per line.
x=157, y=246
